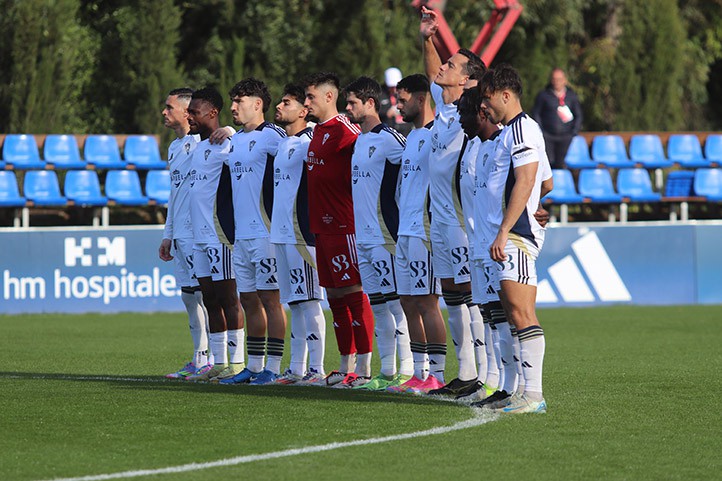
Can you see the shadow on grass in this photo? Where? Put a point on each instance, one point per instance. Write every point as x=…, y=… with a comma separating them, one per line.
x=155, y=383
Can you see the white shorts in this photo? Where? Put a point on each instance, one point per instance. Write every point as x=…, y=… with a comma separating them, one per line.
x=414, y=268
x=377, y=269
x=520, y=263
x=183, y=262
x=297, y=279
x=485, y=281
x=450, y=252
x=254, y=261
x=212, y=260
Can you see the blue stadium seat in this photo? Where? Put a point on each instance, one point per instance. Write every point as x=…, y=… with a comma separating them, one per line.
x=610, y=151
x=713, y=149
x=157, y=186
x=636, y=185
x=21, y=151
x=82, y=187
x=597, y=185
x=43, y=189
x=123, y=188
x=578, y=155
x=708, y=183
x=141, y=152
x=685, y=151
x=680, y=183
x=564, y=191
x=9, y=191
x=102, y=152
x=62, y=152
x=648, y=151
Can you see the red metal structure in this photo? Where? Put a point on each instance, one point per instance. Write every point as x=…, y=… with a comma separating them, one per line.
x=491, y=36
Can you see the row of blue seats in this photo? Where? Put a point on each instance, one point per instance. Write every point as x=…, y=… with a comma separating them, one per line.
x=82, y=188
x=20, y=151
x=683, y=150
x=634, y=185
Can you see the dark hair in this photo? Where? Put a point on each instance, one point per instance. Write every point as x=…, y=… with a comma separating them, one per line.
x=295, y=91
x=252, y=87
x=414, y=83
x=502, y=77
x=364, y=88
x=210, y=95
x=470, y=100
x=322, y=78
x=475, y=65
x=183, y=93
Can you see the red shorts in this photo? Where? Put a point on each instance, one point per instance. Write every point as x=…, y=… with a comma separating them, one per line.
x=336, y=260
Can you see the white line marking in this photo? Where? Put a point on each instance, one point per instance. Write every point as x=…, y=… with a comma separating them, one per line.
x=478, y=419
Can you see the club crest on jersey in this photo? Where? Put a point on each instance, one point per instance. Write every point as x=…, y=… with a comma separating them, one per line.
x=325, y=138
x=207, y=153
x=372, y=149
x=290, y=153
x=251, y=144
x=483, y=161
x=451, y=121
x=231, y=148
x=187, y=147
x=421, y=144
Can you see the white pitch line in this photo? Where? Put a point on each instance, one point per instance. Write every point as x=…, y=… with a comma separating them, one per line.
x=477, y=420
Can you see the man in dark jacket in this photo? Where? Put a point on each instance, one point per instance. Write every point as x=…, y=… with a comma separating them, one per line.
x=559, y=113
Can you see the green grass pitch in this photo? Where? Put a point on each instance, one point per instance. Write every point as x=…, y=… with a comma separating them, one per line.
x=633, y=393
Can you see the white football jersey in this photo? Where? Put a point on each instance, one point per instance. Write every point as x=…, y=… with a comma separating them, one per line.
x=251, y=163
x=447, y=141
x=205, y=176
x=467, y=177
x=374, y=184
x=484, y=234
x=414, y=190
x=520, y=143
x=289, y=222
x=178, y=220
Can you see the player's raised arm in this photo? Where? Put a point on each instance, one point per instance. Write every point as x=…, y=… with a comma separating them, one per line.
x=427, y=29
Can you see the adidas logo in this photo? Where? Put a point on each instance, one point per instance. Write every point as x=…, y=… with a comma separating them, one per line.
x=335, y=324
x=232, y=343
x=345, y=277
x=526, y=365
x=214, y=270
x=455, y=344
x=271, y=280
x=516, y=359
x=503, y=361
x=432, y=362
x=312, y=337
x=420, y=284
x=567, y=280
x=385, y=283
x=355, y=323
x=464, y=271
x=292, y=336
x=399, y=333
x=490, y=290
x=299, y=290
x=478, y=342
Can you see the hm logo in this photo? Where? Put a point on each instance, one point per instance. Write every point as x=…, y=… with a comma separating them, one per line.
x=106, y=251
x=570, y=283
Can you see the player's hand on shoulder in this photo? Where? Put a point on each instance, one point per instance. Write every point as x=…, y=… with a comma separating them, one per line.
x=429, y=23
x=220, y=135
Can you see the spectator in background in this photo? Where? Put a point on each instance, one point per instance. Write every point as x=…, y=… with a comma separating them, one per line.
x=388, y=111
x=559, y=113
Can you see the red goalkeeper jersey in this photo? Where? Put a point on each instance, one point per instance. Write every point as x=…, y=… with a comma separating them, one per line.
x=328, y=165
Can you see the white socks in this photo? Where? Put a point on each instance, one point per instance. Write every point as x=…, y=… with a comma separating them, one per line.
x=218, y=347
x=198, y=324
x=385, y=330
x=315, y=334
x=403, y=341
x=298, y=340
